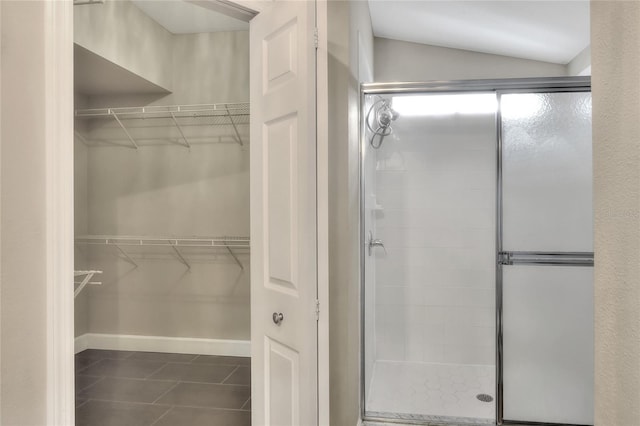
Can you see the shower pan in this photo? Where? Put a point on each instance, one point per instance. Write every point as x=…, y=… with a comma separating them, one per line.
x=476, y=254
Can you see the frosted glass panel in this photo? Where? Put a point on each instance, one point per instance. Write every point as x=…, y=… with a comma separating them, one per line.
x=548, y=344
x=547, y=173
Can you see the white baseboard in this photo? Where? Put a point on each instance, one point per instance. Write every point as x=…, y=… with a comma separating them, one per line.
x=180, y=345
x=81, y=343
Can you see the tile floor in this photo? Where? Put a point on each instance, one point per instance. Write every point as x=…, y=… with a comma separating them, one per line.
x=121, y=388
x=434, y=392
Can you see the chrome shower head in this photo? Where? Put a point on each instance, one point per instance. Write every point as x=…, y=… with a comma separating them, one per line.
x=386, y=115
x=383, y=116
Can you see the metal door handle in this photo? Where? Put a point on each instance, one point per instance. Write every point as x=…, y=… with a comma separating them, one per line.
x=375, y=243
x=278, y=318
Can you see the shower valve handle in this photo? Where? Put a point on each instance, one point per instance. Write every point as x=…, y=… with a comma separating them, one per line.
x=375, y=243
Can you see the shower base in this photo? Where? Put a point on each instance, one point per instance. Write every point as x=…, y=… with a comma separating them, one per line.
x=431, y=392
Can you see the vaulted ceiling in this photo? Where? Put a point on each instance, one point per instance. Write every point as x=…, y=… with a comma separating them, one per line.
x=543, y=30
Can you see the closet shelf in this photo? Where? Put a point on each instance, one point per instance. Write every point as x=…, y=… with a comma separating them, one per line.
x=86, y=280
x=230, y=114
x=239, y=109
x=119, y=241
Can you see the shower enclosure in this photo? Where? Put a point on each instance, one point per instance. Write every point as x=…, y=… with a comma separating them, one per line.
x=477, y=258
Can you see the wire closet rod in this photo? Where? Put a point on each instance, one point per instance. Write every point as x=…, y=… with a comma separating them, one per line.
x=120, y=241
x=225, y=110
x=195, y=241
x=160, y=111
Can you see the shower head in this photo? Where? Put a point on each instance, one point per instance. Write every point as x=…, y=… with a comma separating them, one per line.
x=383, y=115
x=386, y=115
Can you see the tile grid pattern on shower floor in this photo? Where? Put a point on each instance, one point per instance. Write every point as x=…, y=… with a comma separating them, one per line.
x=432, y=391
x=124, y=388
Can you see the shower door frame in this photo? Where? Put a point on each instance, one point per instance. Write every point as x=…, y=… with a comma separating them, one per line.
x=499, y=87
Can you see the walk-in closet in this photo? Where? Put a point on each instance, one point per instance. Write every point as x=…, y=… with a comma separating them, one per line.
x=162, y=309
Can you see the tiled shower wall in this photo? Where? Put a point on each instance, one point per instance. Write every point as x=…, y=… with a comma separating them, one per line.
x=435, y=285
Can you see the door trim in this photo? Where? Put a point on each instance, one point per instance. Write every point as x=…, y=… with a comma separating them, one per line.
x=58, y=100
x=322, y=218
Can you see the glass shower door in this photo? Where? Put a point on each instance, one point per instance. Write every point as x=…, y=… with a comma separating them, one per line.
x=429, y=203
x=546, y=258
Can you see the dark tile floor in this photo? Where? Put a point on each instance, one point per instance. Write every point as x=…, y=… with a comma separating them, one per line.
x=120, y=388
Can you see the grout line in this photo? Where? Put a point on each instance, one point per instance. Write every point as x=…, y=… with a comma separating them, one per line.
x=87, y=366
x=118, y=401
x=128, y=356
x=155, y=371
x=208, y=407
x=163, y=414
x=82, y=403
x=230, y=374
x=209, y=383
x=227, y=364
x=167, y=380
x=140, y=379
x=204, y=407
x=159, y=359
x=166, y=392
x=91, y=385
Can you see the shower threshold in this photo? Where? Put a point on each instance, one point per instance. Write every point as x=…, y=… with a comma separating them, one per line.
x=394, y=419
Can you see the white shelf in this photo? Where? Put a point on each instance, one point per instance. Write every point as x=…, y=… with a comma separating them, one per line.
x=230, y=244
x=239, y=109
x=223, y=114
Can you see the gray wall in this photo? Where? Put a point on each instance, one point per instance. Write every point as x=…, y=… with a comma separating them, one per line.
x=404, y=61
x=615, y=43
x=121, y=33
x=581, y=64
x=166, y=189
x=350, y=62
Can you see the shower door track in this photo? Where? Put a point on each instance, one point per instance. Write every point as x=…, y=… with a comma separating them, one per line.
x=499, y=87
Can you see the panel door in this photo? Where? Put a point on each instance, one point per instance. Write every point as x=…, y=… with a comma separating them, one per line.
x=283, y=216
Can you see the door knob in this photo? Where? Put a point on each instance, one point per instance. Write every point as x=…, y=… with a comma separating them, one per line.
x=278, y=318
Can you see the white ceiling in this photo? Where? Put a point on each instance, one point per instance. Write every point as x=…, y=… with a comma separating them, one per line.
x=181, y=17
x=543, y=30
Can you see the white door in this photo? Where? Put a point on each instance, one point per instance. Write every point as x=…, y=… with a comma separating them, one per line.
x=283, y=216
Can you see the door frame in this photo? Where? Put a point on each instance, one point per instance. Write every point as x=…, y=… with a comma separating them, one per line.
x=497, y=86
x=60, y=208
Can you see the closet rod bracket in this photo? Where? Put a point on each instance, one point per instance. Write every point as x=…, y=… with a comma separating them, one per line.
x=184, y=138
x=234, y=256
x=180, y=257
x=126, y=256
x=86, y=280
x=135, y=145
x=235, y=128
